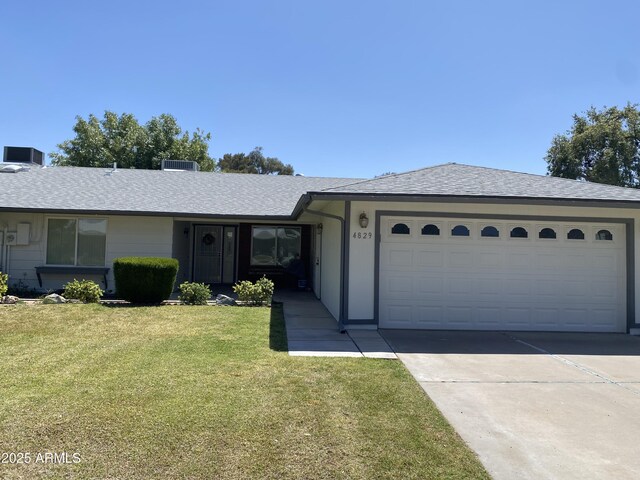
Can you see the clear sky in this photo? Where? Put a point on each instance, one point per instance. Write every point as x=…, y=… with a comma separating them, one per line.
x=336, y=88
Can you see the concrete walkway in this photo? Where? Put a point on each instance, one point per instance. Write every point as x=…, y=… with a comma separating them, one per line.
x=313, y=332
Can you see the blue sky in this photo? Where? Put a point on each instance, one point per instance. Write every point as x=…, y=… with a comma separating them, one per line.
x=336, y=88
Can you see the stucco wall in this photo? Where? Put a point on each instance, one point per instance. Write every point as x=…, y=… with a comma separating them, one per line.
x=362, y=250
x=126, y=236
x=330, y=259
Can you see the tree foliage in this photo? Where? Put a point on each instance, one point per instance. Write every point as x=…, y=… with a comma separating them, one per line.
x=121, y=139
x=602, y=146
x=253, y=162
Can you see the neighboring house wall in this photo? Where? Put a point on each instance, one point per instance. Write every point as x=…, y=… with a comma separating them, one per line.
x=362, y=260
x=126, y=236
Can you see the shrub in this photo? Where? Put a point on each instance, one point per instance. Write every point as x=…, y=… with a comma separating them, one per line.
x=192, y=293
x=4, y=284
x=86, y=291
x=254, y=294
x=145, y=279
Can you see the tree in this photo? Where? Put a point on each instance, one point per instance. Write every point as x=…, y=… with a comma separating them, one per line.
x=601, y=146
x=253, y=162
x=121, y=139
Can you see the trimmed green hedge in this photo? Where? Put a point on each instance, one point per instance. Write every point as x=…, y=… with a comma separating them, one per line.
x=4, y=284
x=144, y=279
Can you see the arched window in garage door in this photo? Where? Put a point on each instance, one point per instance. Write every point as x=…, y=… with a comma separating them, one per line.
x=519, y=232
x=490, y=231
x=401, y=229
x=459, y=231
x=430, y=229
x=575, y=234
x=547, y=233
x=604, y=235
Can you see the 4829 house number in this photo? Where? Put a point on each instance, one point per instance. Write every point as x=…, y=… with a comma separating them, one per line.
x=362, y=235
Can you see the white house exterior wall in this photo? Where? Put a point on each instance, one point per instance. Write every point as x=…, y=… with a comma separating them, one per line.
x=126, y=236
x=330, y=259
x=362, y=261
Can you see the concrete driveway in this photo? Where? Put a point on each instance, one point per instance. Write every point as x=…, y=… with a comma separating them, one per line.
x=535, y=405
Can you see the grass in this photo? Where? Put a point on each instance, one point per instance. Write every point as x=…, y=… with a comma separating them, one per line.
x=204, y=392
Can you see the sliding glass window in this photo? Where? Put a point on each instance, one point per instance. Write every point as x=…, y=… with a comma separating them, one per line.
x=72, y=241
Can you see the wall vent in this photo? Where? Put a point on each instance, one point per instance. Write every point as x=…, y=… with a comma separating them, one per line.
x=180, y=166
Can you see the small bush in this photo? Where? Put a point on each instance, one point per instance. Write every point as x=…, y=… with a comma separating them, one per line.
x=86, y=291
x=22, y=289
x=192, y=293
x=145, y=279
x=4, y=284
x=254, y=294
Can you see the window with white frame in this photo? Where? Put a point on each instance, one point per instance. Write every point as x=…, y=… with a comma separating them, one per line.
x=271, y=246
x=76, y=241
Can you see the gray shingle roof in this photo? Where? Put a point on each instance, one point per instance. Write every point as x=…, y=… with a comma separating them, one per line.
x=242, y=195
x=156, y=191
x=453, y=179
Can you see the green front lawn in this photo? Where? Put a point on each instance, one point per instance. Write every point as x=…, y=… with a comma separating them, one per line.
x=206, y=392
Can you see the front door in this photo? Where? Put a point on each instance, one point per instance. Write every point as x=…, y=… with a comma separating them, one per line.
x=214, y=254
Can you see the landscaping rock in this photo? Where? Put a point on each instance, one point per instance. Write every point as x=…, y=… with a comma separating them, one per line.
x=10, y=299
x=54, y=298
x=224, y=300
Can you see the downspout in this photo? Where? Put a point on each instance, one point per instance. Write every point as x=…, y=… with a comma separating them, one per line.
x=342, y=262
x=3, y=264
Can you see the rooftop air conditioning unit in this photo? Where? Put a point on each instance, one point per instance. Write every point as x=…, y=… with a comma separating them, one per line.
x=28, y=155
x=180, y=166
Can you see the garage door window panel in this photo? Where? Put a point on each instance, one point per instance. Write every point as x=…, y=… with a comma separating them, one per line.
x=490, y=232
x=604, y=235
x=460, y=231
x=401, y=229
x=575, y=234
x=431, y=230
x=519, y=232
x=547, y=234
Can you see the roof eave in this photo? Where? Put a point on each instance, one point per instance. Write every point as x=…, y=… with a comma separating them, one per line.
x=141, y=213
x=563, y=201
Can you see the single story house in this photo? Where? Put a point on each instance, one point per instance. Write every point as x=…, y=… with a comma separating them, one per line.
x=445, y=247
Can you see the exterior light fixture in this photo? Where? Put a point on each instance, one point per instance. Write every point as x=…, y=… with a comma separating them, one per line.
x=319, y=228
x=364, y=220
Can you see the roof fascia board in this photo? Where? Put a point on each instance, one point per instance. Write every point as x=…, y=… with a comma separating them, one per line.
x=144, y=214
x=570, y=202
x=301, y=205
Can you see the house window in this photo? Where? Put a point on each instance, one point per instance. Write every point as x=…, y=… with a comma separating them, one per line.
x=401, y=229
x=575, y=234
x=72, y=241
x=460, y=231
x=604, y=235
x=547, y=233
x=430, y=229
x=271, y=246
x=519, y=232
x=490, y=231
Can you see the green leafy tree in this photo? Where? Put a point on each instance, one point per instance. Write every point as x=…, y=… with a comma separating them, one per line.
x=602, y=146
x=253, y=162
x=121, y=139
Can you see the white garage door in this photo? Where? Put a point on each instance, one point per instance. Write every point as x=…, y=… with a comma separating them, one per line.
x=501, y=275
